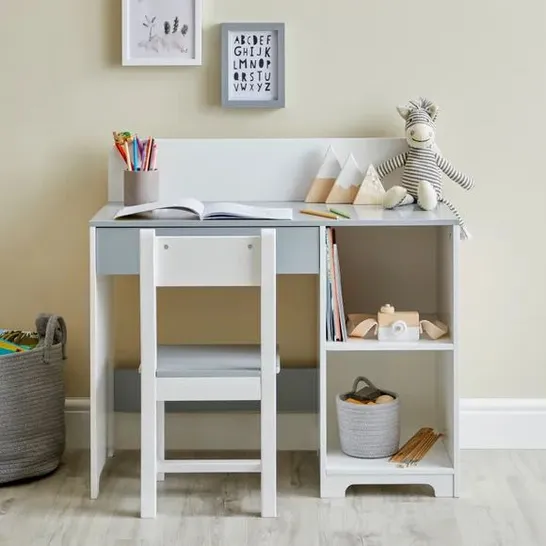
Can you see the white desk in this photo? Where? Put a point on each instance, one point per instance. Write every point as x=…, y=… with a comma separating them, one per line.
x=300, y=250
x=114, y=251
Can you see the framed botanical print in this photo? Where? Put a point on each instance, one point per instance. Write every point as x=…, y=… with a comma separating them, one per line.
x=161, y=32
x=253, y=65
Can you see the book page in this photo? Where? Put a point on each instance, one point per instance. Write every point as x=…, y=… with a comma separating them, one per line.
x=189, y=204
x=239, y=210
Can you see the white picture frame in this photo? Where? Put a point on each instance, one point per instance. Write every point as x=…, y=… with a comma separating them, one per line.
x=162, y=32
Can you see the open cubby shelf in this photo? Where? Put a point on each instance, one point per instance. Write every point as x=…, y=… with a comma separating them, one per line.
x=413, y=269
x=356, y=344
x=436, y=461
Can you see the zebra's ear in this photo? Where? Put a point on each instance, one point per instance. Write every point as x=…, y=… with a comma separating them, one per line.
x=433, y=111
x=403, y=111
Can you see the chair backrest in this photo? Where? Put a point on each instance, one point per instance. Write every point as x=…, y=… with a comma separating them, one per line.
x=205, y=260
x=190, y=260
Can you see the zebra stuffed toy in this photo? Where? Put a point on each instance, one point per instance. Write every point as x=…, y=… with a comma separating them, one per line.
x=423, y=164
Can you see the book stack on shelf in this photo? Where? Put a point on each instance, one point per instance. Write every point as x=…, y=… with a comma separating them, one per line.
x=336, y=327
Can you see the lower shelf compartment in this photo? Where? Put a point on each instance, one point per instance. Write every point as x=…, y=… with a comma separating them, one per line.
x=342, y=471
x=436, y=461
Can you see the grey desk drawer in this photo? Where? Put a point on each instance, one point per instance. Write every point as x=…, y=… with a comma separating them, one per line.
x=118, y=248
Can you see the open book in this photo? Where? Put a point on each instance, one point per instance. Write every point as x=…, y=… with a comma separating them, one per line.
x=210, y=210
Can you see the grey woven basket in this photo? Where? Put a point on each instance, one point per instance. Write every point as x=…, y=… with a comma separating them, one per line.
x=368, y=431
x=32, y=423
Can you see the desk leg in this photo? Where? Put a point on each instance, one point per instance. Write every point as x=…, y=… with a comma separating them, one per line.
x=322, y=362
x=110, y=368
x=101, y=372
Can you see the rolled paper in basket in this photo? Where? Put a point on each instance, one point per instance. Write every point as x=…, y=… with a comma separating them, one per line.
x=7, y=348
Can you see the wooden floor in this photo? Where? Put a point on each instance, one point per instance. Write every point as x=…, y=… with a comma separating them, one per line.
x=503, y=502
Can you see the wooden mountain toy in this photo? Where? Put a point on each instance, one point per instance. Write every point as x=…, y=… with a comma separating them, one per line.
x=325, y=178
x=347, y=183
x=371, y=190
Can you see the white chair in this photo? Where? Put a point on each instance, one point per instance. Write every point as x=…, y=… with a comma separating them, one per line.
x=191, y=372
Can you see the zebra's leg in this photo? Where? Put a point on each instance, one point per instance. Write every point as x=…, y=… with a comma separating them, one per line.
x=396, y=197
x=426, y=196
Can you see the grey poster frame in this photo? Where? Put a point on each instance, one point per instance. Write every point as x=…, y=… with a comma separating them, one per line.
x=280, y=101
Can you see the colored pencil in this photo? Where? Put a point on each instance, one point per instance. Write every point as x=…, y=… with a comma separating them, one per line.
x=141, y=147
x=121, y=152
x=148, y=156
x=339, y=213
x=319, y=213
x=135, y=154
x=128, y=157
x=153, y=158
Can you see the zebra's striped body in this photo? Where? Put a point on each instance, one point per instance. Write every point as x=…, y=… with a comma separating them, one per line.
x=422, y=163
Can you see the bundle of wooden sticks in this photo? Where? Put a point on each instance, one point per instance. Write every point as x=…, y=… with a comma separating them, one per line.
x=416, y=447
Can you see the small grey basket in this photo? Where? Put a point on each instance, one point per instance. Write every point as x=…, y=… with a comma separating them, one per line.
x=368, y=431
x=32, y=395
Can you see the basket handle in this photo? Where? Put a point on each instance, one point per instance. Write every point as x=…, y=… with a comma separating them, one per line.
x=55, y=324
x=365, y=380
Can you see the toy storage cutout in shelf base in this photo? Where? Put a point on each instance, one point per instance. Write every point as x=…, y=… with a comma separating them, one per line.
x=415, y=269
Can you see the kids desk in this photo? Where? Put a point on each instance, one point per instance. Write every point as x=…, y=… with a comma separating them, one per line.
x=407, y=257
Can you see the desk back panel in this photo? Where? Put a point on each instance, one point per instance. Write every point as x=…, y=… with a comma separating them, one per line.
x=250, y=169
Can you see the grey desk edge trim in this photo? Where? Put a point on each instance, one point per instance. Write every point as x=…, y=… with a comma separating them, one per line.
x=117, y=250
x=410, y=215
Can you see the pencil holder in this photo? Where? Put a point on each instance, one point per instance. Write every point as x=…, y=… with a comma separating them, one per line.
x=140, y=187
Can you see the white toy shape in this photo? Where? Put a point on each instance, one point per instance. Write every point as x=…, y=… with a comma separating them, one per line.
x=347, y=183
x=325, y=178
x=371, y=190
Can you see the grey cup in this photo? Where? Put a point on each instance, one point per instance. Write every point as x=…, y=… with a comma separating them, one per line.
x=140, y=187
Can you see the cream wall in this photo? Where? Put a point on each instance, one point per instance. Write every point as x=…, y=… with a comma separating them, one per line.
x=349, y=63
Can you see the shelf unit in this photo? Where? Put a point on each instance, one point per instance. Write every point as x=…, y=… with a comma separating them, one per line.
x=354, y=344
x=424, y=373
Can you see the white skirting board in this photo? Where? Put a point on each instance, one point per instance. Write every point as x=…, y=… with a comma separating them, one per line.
x=485, y=423
x=503, y=423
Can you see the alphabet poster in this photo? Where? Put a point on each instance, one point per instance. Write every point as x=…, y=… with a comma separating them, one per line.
x=252, y=71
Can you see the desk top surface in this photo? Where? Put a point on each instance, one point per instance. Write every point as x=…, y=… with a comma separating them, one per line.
x=361, y=215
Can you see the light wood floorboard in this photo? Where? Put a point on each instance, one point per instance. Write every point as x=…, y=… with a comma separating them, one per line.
x=503, y=502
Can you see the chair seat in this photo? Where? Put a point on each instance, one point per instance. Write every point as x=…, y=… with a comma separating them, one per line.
x=210, y=361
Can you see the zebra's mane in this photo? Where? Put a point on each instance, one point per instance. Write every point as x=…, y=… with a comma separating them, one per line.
x=420, y=104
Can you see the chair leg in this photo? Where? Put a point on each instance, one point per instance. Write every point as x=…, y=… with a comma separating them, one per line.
x=148, y=451
x=269, y=446
x=160, y=437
